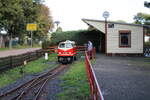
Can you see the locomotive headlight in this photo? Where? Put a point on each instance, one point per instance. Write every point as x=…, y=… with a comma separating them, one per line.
x=69, y=52
x=59, y=52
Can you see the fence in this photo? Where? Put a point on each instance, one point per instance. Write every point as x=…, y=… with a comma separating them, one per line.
x=94, y=87
x=147, y=51
x=53, y=49
x=13, y=61
x=81, y=49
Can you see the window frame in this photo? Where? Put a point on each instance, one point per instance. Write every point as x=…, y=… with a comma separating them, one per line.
x=129, y=39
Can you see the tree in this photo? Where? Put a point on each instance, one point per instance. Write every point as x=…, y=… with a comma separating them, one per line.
x=59, y=29
x=44, y=21
x=142, y=18
x=147, y=4
x=121, y=21
x=10, y=15
x=15, y=14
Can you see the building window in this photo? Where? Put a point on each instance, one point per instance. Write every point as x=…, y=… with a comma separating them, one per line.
x=124, y=38
x=110, y=25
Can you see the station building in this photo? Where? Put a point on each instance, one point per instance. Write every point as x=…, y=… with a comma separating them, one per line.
x=120, y=38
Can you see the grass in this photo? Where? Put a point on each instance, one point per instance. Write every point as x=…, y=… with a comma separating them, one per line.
x=4, y=49
x=12, y=75
x=75, y=83
x=39, y=65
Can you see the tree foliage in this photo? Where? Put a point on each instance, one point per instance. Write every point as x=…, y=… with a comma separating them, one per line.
x=59, y=29
x=142, y=18
x=15, y=14
x=80, y=37
x=147, y=4
x=11, y=14
x=121, y=21
x=44, y=20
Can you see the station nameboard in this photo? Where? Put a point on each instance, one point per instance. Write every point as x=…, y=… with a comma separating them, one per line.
x=31, y=27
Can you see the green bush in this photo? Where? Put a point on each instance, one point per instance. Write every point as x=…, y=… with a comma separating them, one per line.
x=80, y=37
x=46, y=44
x=147, y=44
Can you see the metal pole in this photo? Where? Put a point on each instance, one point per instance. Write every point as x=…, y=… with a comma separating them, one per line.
x=31, y=40
x=10, y=42
x=106, y=15
x=106, y=36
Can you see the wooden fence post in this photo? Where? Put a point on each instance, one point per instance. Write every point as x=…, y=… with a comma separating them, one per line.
x=11, y=61
x=29, y=56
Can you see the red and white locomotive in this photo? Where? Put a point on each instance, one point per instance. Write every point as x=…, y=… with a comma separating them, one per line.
x=66, y=51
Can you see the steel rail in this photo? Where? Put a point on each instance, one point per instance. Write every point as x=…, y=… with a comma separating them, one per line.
x=30, y=82
x=48, y=78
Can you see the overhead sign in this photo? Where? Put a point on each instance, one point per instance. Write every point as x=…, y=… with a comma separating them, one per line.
x=31, y=27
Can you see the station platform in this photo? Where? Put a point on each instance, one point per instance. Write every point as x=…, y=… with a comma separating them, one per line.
x=17, y=52
x=123, y=78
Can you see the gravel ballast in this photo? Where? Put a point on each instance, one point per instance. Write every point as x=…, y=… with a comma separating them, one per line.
x=24, y=79
x=50, y=91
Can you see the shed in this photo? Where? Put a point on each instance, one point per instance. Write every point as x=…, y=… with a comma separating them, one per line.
x=120, y=38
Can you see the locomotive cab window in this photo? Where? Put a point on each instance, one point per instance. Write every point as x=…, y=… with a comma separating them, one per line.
x=125, y=38
x=69, y=45
x=62, y=45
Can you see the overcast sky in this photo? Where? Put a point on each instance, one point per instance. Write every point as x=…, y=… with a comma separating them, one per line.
x=70, y=12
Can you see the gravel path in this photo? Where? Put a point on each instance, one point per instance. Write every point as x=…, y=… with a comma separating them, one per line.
x=16, y=52
x=120, y=78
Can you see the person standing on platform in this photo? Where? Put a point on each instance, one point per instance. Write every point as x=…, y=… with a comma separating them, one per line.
x=90, y=49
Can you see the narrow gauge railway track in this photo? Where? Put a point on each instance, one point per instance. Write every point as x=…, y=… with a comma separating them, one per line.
x=32, y=89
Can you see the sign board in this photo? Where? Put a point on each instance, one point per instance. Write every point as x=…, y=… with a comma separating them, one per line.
x=106, y=14
x=31, y=27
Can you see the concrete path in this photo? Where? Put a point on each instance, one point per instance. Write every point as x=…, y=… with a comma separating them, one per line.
x=123, y=78
x=16, y=52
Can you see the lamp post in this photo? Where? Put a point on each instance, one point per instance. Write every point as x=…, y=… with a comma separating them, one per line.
x=106, y=15
x=57, y=23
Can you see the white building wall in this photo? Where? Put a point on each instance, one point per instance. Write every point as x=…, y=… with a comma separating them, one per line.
x=136, y=39
x=113, y=37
